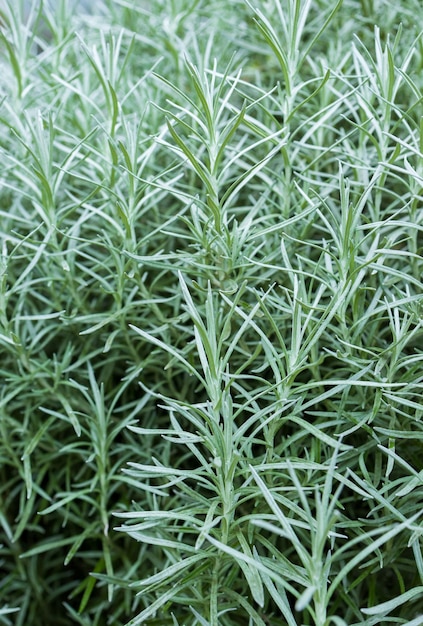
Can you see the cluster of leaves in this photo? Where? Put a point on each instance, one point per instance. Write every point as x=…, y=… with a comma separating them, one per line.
x=211, y=314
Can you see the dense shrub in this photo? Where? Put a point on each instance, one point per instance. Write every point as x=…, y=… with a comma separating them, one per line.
x=211, y=313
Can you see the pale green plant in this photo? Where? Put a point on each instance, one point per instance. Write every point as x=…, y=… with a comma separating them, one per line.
x=211, y=313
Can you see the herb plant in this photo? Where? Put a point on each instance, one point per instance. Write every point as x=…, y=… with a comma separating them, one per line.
x=211, y=313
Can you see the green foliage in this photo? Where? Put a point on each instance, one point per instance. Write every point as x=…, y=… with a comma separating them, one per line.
x=211, y=313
